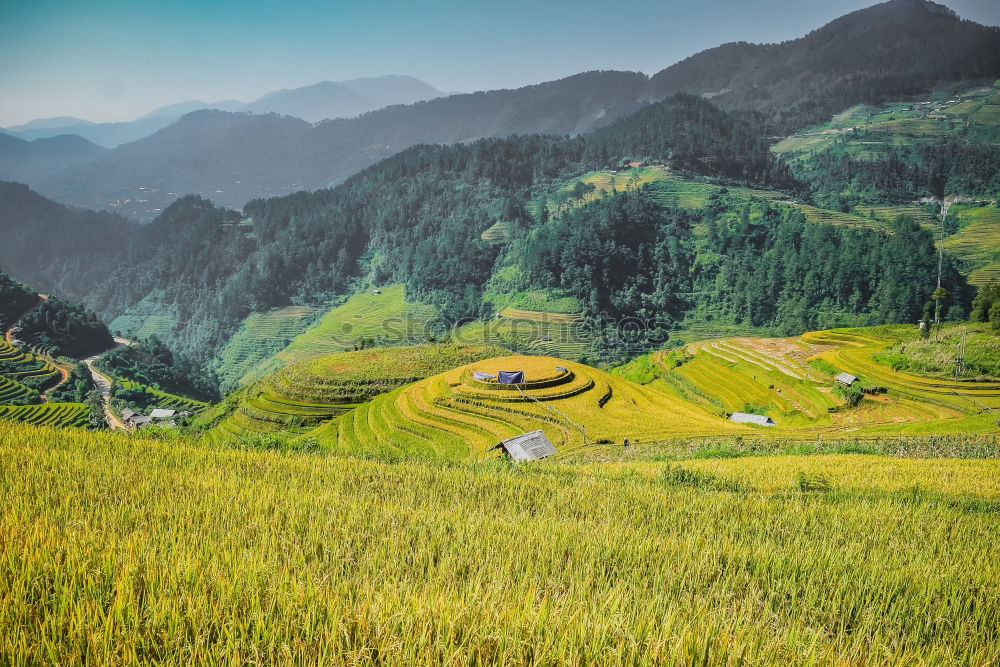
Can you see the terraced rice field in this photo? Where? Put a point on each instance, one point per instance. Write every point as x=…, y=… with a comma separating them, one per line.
x=49, y=414
x=531, y=332
x=22, y=365
x=302, y=396
x=886, y=214
x=775, y=377
x=454, y=416
x=12, y=391
x=960, y=405
x=978, y=242
x=386, y=318
x=249, y=354
x=123, y=549
x=497, y=232
x=166, y=400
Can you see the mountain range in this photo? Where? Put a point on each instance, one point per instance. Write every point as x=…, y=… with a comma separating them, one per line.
x=893, y=50
x=320, y=101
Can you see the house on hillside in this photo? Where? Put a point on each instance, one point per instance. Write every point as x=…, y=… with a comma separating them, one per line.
x=746, y=418
x=526, y=447
x=846, y=379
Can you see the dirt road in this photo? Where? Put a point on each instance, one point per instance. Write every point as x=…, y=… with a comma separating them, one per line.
x=103, y=383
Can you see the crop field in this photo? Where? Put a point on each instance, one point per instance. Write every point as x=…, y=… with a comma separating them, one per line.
x=165, y=400
x=497, y=232
x=259, y=338
x=13, y=392
x=19, y=365
x=863, y=128
x=454, y=416
x=973, y=405
x=302, y=396
x=978, y=242
x=385, y=318
x=886, y=214
x=791, y=381
x=531, y=332
x=49, y=414
x=118, y=549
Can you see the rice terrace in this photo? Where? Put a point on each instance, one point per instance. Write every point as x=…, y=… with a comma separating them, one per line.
x=689, y=358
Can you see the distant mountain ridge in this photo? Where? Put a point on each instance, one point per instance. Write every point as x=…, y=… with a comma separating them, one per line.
x=320, y=101
x=887, y=51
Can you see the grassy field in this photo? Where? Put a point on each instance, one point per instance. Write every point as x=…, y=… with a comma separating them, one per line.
x=302, y=396
x=453, y=416
x=386, y=318
x=116, y=549
x=249, y=354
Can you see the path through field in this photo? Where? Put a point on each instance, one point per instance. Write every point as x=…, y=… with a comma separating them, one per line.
x=103, y=383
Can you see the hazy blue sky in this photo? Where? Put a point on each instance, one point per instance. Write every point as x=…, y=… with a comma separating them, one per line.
x=116, y=60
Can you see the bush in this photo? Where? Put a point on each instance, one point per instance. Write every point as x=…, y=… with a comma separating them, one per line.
x=813, y=482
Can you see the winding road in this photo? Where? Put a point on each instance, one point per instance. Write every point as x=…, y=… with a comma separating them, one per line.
x=103, y=383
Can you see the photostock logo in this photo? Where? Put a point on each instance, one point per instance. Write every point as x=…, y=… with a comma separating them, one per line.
x=589, y=335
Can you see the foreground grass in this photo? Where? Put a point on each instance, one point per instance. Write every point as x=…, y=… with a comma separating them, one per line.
x=114, y=549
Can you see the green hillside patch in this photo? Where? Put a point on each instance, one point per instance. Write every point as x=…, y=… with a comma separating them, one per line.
x=498, y=232
x=250, y=353
x=978, y=242
x=384, y=319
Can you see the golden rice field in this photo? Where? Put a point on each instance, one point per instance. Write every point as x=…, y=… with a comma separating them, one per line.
x=116, y=549
x=978, y=242
x=791, y=380
x=300, y=397
x=454, y=416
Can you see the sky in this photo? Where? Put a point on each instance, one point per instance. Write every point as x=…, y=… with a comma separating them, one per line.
x=114, y=60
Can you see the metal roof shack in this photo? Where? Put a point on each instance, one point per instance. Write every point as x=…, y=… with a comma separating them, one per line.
x=527, y=447
x=160, y=414
x=744, y=418
x=846, y=379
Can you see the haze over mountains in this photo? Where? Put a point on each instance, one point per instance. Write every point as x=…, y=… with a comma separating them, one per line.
x=890, y=51
x=320, y=101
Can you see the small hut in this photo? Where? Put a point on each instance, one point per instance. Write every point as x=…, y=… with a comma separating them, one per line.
x=746, y=418
x=846, y=379
x=526, y=447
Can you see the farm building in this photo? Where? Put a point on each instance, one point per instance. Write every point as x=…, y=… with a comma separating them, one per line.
x=744, y=418
x=846, y=379
x=527, y=447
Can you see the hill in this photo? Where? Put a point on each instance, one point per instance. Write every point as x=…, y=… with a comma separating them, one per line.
x=32, y=160
x=343, y=99
x=888, y=51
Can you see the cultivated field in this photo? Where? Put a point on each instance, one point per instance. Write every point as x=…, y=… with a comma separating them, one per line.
x=120, y=550
x=385, y=318
x=249, y=354
x=302, y=396
x=792, y=381
x=454, y=416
